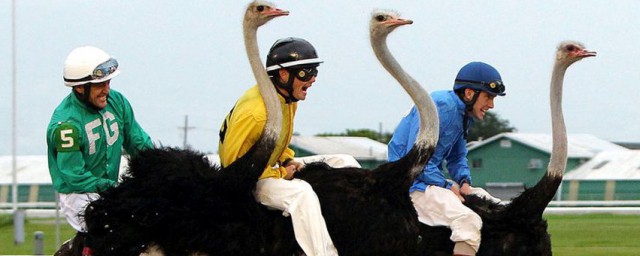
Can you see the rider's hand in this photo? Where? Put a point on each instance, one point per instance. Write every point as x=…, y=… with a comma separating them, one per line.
x=465, y=189
x=292, y=167
x=455, y=188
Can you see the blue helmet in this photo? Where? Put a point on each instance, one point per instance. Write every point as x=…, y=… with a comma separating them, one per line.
x=480, y=76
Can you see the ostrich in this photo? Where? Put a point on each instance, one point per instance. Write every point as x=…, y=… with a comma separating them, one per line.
x=177, y=203
x=369, y=212
x=518, y=228
x=174, y=201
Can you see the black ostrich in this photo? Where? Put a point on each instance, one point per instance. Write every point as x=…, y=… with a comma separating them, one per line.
x=175, y=202
x=518, y=228
x=369, y=212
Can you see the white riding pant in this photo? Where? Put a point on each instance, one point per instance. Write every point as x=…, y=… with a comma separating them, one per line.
x=438, y=206
x=297, y=199
x=73, y=206
x=335, y=160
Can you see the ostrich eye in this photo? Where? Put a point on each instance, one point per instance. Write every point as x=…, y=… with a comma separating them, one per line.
x=571, y=48
x=260, y=8
x=380, y=18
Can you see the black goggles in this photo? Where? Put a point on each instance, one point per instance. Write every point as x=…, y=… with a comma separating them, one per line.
x=494, y=87
x=305, y=74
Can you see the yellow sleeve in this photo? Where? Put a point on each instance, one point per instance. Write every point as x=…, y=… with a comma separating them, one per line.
x=288, y=154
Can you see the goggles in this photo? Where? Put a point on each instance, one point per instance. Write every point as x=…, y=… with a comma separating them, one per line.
x=305, y=74
x=494, y=87
x=100, y=72
x=105, y=69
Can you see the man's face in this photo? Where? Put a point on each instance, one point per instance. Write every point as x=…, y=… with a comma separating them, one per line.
x=299, y=87
x=482, y=105
x=98, y=93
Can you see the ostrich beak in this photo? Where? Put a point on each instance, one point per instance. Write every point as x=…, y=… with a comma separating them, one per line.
x=275, y=12
x=587, y=53
x=399, y=22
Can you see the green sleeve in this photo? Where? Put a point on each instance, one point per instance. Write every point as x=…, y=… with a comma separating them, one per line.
x=135, y=138
x=70, y=161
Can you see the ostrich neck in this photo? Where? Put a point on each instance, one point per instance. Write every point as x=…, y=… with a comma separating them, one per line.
x=429, y=128
x=274, y=117
x=558, y=161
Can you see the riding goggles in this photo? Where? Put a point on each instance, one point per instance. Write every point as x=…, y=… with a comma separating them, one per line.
x=305, y=74
x=105, y=69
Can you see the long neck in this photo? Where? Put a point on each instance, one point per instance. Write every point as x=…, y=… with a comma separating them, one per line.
x=429, y=128
x=558, y=161
x=532, y=202
x=274, y=117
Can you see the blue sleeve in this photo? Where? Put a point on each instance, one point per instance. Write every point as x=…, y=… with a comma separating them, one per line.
x=457, y=163
x=404, y=136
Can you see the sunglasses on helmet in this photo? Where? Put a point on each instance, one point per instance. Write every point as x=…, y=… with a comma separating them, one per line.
x=495, y=87
x=305, y=74
x=105, y=69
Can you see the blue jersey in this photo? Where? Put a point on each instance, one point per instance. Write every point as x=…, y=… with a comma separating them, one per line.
x=451, y=148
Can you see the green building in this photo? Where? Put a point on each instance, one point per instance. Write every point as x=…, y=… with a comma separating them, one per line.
x=509, y=162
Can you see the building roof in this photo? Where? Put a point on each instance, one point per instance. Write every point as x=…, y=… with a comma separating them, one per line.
x=361, y=148
x=629, y=145
x=579, y=145
x=31, y=169
x=609, y=165
x=34, y=169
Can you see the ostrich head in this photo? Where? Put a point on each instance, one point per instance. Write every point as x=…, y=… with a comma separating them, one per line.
x=571, y=51
x=384, y=21
x=260, y=12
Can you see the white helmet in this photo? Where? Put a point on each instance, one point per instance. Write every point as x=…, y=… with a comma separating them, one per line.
x=88, y=64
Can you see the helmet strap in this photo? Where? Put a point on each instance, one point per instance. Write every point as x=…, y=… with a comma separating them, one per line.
x=288, y=86
x=468, y=107
x=84, y=97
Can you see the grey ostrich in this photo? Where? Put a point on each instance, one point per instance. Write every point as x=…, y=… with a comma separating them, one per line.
x=518, y=228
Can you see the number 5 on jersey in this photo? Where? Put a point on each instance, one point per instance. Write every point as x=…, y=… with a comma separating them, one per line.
x=66, y=138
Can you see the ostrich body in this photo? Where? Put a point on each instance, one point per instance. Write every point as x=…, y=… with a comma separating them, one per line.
x=369, y=212
x=175, y=201
x=518, y=228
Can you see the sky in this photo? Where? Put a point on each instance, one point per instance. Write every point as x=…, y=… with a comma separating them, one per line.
x=187, y=58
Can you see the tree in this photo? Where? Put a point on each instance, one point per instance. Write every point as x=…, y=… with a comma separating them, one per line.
x=490, y=126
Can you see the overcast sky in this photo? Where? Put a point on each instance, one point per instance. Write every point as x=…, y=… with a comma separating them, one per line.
x=182, y=58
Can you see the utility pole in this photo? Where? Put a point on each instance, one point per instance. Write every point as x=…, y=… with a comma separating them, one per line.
x=380, y=139
x=185, y=129
x=18, y=214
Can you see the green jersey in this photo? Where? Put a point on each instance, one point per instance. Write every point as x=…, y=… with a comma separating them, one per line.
x=85, y=145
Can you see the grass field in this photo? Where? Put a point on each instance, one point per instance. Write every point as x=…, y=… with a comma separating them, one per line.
x=571, y=235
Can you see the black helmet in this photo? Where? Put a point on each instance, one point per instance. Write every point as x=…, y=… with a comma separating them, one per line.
x=292, y=52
